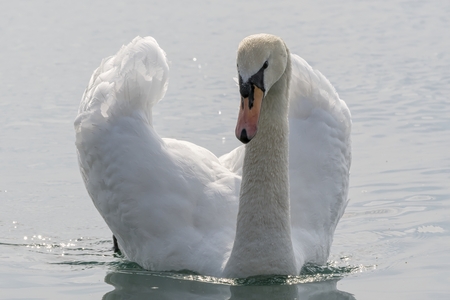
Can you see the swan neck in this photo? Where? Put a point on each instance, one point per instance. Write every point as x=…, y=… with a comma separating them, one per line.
x=263, y=242
x=265, y=179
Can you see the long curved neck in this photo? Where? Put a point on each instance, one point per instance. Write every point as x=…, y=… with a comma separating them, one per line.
x=263, y=242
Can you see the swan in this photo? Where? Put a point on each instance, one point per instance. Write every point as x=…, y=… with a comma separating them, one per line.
x=267, y=207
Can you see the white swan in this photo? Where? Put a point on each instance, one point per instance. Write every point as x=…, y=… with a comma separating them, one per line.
x=175, y=206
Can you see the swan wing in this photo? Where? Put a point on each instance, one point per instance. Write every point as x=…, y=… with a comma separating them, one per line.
x=319, y=160
x=171, y=204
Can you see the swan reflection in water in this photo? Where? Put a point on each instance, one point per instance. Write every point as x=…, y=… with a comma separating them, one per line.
x=145, y=285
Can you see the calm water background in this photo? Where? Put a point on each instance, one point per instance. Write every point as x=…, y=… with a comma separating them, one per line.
x=389, y=60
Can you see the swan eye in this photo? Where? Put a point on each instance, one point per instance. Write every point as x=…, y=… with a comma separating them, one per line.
x=266, y=64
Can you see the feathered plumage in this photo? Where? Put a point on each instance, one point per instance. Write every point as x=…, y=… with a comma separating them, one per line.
x=173, y=205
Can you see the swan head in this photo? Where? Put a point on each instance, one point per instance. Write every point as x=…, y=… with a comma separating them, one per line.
x=261, y=61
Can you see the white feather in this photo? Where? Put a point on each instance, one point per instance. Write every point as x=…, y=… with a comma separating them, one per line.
x=173, y=205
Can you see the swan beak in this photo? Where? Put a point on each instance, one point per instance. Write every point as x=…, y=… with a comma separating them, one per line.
x=247, y=124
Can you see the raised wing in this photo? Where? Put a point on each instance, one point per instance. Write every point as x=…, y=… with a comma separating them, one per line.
x=320, y=156
x=163, y=199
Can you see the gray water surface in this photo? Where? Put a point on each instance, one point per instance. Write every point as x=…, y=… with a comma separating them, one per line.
x=389, y=60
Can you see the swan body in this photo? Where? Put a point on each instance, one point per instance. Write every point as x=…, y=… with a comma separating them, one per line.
x=266, y=207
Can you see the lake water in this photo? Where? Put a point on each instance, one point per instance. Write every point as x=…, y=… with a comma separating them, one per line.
x=389, y=60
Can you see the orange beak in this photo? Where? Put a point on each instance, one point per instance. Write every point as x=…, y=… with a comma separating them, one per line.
x=247, y=124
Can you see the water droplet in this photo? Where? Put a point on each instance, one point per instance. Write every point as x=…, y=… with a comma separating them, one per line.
x=220, y=112
x=194, y=59
x=25, y=238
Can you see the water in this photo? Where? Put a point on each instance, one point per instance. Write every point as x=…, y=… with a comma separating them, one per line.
x=389, y=60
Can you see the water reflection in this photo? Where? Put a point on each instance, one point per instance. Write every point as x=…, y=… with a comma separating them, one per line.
x=146, y=285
